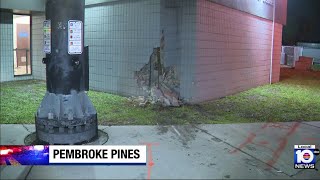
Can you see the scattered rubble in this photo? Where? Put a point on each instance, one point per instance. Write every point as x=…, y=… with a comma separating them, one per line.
x=159, y=83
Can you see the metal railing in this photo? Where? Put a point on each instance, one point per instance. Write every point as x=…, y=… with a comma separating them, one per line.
x=17, y=59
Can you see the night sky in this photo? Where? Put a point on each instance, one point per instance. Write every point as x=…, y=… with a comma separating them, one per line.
x=303, y=22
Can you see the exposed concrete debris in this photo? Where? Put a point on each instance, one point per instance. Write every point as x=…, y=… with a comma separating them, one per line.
x=140, y=100
x=160, y=84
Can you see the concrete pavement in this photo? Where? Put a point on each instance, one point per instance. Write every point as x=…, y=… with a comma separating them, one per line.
x=222, y=151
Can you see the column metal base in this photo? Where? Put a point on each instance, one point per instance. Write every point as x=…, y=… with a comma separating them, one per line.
x=66, y=119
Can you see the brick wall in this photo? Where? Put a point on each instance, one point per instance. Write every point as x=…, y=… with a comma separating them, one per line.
x=233, y=51
x=304, y=63
x=276, y=58
x=121, y=36
x=6, y=49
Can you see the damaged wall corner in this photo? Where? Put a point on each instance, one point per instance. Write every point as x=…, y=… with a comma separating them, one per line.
x=160, y=83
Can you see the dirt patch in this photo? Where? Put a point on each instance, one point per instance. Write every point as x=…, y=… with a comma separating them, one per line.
x=159, y=108
x=286, y=73
x=201, y=110
x=182, y=116
x=164, y=120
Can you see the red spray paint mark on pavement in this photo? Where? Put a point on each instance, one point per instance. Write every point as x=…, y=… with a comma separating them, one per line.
x=279, y=126
x=264, y=142
x=312, y=139
x=282, y=144
x=275, y=125
x=247, y=141
x=150, y=162
x=265, y=125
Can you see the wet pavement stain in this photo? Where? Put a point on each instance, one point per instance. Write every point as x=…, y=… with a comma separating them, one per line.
x=162, y=130
x=211, y=164
x=251, y=162
x=216, y=139
x=251, y=148
x=227, y=176
x=185, y=134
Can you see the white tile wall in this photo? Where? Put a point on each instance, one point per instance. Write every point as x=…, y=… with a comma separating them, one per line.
x=6, y=47
x=178, y=20
x=121, y=36
x=39, y=71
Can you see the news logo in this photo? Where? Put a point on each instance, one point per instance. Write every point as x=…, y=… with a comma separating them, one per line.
x=305, y=156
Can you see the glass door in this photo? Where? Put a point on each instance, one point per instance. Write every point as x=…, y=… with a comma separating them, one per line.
x=21, y=43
